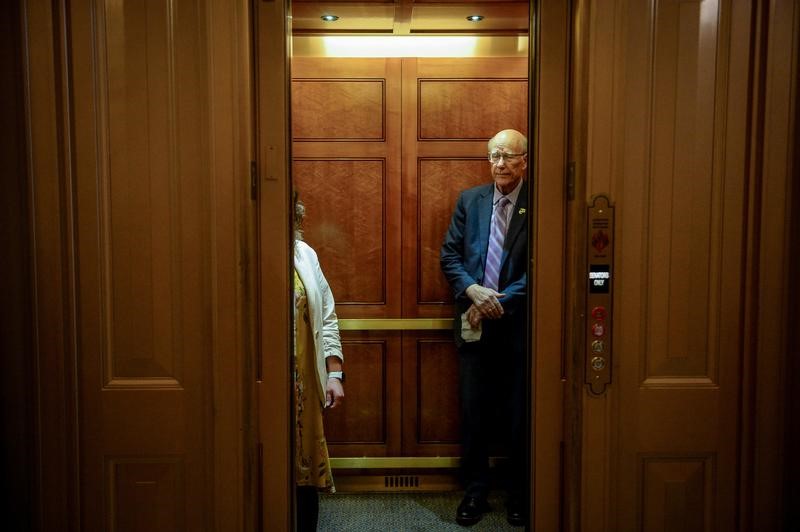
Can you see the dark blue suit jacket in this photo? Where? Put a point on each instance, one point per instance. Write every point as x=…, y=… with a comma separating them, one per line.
x=463, y=254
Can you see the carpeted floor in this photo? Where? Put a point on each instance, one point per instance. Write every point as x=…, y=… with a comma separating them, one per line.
x=403, y=512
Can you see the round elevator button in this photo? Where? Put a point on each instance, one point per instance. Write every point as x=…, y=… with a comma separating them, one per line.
x=599, y=313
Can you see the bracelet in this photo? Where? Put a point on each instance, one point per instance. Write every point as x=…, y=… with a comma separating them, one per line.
x=336, y=375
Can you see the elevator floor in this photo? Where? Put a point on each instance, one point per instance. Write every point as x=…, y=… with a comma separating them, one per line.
x=403, y=512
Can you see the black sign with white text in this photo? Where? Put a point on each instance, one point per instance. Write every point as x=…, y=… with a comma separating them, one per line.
x=599, y=278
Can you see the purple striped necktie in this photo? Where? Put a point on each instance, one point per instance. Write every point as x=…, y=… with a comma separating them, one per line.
x=497, y=236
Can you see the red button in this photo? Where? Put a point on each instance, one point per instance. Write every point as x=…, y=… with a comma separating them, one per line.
x=599, y=313
x=598, y=329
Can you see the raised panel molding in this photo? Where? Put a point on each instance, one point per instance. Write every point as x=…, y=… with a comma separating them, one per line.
x=685, y=209
x=439, y=183
x=139, y=193
x=145, y=494
x=438, y=410
x=677, y=493
x=345, y=203
x=470, y=109
x=339, y=110
x=362, y=418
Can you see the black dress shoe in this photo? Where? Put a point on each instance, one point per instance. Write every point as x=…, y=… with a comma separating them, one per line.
x=471, y=510
x=516, y=512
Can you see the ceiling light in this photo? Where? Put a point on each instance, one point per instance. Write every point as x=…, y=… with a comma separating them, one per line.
x=329, y=18
x=475, y=18
x=399, y=46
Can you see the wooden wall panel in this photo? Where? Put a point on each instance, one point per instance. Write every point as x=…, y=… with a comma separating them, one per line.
x=676, y=492
x=145, y=494
x=368, y=422
x=345, y=223
x=139, y=195
x=471, y=109
x=686, y=200
x=338, y=110
x=437, y=392
x=431, y=415
x=346, y=167
x=439, y=183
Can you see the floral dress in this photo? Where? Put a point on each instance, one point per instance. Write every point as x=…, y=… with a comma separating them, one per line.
x=312, y=463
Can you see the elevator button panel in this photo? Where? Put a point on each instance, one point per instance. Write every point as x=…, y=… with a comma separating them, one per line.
x=599, y=294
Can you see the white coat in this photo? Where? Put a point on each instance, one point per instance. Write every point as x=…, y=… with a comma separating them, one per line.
x=321, y=310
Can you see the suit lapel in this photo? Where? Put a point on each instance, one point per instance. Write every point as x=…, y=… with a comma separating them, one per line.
x=519, y=219
x=485, y=219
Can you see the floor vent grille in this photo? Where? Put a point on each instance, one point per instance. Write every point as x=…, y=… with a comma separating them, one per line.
x=347, y=482
x=401, y=481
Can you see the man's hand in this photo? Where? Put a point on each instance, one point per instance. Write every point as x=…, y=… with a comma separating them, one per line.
x=334, y=395
x=474, y=316
x=485, y=300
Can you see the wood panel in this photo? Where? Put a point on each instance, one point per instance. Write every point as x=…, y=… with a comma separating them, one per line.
x=139, y=196
x=346, y=166
x=345, y=223
x=146, y=494
x=368, y=423
x=337, y=110
x=470, y=109
x=439, y=183
x=675, y=493
x=431, y=415
x=686, y=199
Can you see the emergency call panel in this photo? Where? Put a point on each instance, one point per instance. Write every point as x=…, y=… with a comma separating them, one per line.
x=599, y=276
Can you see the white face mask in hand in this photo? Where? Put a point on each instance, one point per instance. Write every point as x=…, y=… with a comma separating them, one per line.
x=467, y=332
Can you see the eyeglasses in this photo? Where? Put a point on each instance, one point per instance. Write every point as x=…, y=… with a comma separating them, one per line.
x=495, y=157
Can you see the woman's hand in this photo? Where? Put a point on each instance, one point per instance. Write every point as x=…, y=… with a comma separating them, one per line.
x=334, y=393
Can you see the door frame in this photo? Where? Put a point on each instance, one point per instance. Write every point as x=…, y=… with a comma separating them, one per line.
x=549, y=73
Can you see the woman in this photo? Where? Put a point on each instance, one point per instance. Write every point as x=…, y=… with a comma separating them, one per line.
x=318, y=376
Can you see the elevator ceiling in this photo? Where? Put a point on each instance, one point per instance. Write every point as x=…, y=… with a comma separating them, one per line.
x=410, y=17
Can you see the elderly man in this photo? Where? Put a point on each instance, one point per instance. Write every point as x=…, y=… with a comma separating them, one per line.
x=485, y=259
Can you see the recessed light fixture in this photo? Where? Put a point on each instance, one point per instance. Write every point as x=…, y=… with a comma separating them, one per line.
x=475, y=18
x=329, y=18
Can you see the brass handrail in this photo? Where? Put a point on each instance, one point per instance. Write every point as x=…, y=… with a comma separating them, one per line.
x=400, y=462
x=380, y=462
x=395, y=324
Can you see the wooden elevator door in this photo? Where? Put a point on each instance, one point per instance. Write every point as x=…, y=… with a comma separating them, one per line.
x=669, y=88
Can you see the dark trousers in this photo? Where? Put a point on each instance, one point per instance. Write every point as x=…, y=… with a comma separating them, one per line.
x=307, y=508
x=493, y=383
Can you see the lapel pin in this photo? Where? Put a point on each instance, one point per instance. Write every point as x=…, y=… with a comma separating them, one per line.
x=522, y=210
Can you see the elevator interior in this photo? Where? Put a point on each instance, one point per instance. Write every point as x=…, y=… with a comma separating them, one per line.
x=392, y=104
